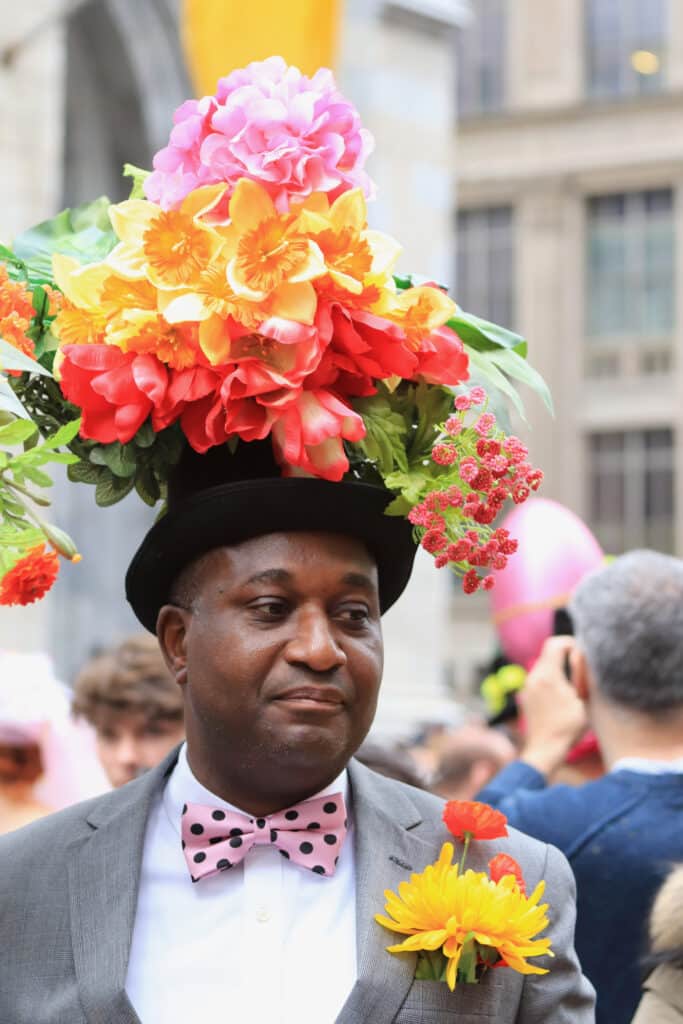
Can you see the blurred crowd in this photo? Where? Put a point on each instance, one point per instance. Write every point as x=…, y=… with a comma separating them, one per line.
x=581, y=746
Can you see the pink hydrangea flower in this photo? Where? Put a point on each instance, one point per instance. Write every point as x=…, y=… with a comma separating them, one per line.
x=268, y=122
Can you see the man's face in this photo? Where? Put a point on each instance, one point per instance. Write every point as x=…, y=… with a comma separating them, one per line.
x=129, y=743
x=280, y=657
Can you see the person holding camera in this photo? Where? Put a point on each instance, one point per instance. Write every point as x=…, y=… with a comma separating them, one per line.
x=622, y=676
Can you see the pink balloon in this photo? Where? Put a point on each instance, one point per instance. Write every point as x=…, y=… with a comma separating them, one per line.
x=556, y=550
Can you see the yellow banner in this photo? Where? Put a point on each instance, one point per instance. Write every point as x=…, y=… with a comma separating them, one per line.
x=221, y=35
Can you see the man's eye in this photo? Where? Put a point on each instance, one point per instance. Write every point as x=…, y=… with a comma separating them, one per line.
x=270, y=608
x=356, y=615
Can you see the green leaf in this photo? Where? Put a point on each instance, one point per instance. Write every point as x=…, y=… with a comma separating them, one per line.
x=97, y=455
x=139, y=175
x=64, y=436
x=147, y=486
x=145, y=436
x=400, y=506
x=84, y=473
x=433, y=406
x=514, y=366
x=12, y=359
x=488, y=373
x=17, y=432
x=483, y=335
x=384, y=442
x=84, y=232
x=120, y=459
x=111, y=489
x=36, y=476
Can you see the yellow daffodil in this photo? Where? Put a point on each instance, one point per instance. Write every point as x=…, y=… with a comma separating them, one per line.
x=269, y=252
x=443, y=909
x=81, y=320
x=170, y=248
x=418, y=311
x=359, y=261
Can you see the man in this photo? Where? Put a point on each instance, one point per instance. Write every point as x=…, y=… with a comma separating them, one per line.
x=129, y=697
x=267, y=595
x=621, y=832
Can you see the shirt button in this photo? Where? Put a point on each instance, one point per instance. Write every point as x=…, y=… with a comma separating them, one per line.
x=262, y=915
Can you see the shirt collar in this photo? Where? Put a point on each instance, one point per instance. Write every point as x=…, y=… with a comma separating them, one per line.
x=183, y=787
x=646, y=766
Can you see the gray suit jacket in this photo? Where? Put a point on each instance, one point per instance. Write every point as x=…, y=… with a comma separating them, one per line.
x=68, y=891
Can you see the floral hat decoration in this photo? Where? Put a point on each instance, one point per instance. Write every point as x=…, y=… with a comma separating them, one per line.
x=239, y=296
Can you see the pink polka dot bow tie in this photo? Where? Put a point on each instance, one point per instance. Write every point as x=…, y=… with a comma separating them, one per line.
x=310, y=834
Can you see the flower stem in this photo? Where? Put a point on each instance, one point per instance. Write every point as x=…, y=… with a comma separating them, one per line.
x=466, y=846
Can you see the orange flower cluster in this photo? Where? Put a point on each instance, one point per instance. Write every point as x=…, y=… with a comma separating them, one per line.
x=16, y=313
x=30, y=578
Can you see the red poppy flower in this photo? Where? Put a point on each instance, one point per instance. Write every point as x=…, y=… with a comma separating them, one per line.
x=462, y=817
x=30, y=578
x=502, y=865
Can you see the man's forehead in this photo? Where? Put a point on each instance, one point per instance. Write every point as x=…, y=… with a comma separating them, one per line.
x=289, y=554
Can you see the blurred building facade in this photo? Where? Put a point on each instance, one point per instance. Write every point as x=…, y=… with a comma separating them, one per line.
x=569, y=167
x=101, y=78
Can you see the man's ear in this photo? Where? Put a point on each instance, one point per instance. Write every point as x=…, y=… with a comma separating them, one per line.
x=172, y=626
x=580, y=674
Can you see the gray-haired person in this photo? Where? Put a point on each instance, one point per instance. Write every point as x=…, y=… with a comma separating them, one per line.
x=622, y=832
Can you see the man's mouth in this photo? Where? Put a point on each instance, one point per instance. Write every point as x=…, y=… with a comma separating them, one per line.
x=314, y=698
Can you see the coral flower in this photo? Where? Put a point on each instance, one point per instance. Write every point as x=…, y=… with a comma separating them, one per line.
x=116, y=391
x=443, y=909
x=30, y=578
x=479, y=821
x=503, y=864
x=308, y=435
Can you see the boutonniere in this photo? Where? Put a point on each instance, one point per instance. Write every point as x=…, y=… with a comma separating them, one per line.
x=463, y=922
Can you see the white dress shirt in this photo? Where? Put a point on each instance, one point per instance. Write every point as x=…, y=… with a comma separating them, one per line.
x=265, y=942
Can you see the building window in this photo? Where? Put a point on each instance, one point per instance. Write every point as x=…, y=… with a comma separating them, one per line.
x=484, y=281
x=481, y=60
x=632, y=489
x=625, y=47
x=630, y=278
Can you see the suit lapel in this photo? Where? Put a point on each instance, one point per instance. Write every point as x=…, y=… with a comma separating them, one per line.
x=386, y=853
x=104, y=872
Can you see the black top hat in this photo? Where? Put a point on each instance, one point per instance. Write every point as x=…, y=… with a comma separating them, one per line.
x=223, y=498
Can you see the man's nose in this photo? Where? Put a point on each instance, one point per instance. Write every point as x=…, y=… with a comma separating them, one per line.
x=314, y=643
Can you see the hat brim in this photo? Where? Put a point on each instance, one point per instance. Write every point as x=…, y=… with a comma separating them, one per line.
x=238, y=511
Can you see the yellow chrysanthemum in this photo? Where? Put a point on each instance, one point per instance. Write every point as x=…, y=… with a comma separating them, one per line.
x=441, y=909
